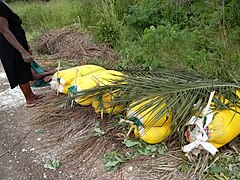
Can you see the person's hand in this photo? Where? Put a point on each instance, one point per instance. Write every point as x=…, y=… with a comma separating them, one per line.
x=27, y=57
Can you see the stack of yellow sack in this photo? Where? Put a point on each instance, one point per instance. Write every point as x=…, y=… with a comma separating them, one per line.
x=90, y=81
x=63, y=79
x=143, y=121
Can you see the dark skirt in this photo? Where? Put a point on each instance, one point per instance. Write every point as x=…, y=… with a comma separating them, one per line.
x=18, y=71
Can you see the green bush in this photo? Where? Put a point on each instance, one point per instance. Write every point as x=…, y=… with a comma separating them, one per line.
x=108, y=26
x=232, y=13
x=153, y=13
x=203, y=36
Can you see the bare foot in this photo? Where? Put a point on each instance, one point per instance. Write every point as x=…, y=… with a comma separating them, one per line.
x=36, y=99
x=47, y=78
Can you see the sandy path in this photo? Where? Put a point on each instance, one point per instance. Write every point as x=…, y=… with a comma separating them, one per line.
x=17, y=139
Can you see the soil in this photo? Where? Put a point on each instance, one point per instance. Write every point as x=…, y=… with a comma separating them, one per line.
x=17, y=149
x=22, y=156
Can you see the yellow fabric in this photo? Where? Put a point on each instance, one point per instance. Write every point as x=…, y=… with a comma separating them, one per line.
x=106, y=104
x=97, y=79
x=85, y=101
x=149, y=115
x=68, y=75
x=94, y=80
x=225, y=125
x=153, y=135
x=238, y=93
x=65, y=89
x=150, y=133
x=136, y=132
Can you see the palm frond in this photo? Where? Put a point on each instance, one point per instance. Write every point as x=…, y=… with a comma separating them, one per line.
x=185, y=96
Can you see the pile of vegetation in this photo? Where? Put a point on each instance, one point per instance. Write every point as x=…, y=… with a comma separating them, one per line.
x=70, y=45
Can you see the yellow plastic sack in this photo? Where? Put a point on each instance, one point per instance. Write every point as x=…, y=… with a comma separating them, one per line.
x=63, y=88
x=97, y=79
x=238, y=93
x=153, y=135
x=104, y=103
x=68, y=75
x=143, y=126
x=224, y=127
x=93, y=80
x=148, y=116
x=85, y=101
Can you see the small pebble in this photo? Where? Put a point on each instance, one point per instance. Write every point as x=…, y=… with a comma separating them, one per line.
x=130, y=168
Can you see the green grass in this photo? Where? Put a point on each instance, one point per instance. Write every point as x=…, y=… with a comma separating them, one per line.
x=46, y=16
x=203, y=36
x=192, y=37
x=224, y=166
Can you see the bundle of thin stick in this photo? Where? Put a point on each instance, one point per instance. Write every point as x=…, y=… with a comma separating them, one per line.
x=72, y=131
x=168, y=166
x=69, y=43
x=185, y=96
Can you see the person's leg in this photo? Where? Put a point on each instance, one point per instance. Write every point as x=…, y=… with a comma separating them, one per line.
x=42, y=75
x=29, y=95
x=35, y=75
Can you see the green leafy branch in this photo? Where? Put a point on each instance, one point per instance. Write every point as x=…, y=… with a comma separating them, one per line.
x=53, y=165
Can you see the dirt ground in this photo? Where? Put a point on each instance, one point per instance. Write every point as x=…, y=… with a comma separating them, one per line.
x=17, y=140
x=22, y=156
